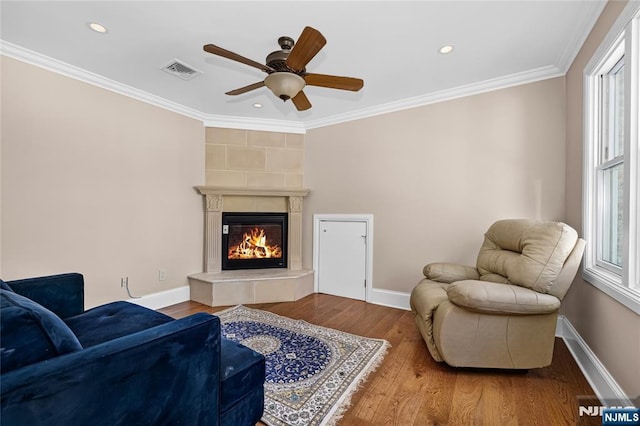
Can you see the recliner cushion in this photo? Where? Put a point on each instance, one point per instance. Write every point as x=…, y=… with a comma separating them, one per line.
x=30, y=333
x=525, y=252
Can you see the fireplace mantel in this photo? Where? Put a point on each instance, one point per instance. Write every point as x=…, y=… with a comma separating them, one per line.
x=214, y=204
x=258, y=192
x=215, y=287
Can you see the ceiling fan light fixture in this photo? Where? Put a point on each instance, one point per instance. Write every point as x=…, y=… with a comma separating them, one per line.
x=284, y=85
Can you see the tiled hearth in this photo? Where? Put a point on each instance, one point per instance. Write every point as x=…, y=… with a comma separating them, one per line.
x=250, y=286
x=215, y=287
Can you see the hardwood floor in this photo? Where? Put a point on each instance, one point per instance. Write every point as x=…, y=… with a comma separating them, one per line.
x=409, y=388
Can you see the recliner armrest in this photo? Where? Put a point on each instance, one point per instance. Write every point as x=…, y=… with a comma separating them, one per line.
x=450, y=272
x=62, y=294
x=495, y=298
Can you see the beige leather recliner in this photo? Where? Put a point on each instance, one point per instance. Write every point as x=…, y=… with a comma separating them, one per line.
x=502, y=313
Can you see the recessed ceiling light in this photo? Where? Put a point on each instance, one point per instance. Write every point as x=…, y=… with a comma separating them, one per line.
x=446, y=49
x=257, y=105
x=99, y=28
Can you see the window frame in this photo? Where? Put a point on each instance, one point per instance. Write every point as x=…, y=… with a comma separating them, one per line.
x=604, y=99
x=622, y=41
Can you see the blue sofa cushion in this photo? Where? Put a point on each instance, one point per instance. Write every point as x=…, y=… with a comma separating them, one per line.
x=62, y=294
x=113, y=320
x=242, y=370
x=5, y=286
x=30, y=333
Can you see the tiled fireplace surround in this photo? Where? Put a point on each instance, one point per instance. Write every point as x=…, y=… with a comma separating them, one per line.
x=251, y=171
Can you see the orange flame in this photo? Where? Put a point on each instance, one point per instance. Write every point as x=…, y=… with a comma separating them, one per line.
x=254, y=246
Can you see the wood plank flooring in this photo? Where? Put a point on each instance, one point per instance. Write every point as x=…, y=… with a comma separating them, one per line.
x=409, y=388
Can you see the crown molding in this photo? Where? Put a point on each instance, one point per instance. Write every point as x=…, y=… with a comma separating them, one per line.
x=441, y=96
x=579, y=37
x=245, y=123
x=34, y=58
x=286, y=126
x=25, y=55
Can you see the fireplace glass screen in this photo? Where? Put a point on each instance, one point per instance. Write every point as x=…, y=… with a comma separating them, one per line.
x=254, y=240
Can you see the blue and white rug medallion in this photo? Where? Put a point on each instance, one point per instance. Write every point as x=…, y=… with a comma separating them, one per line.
x=311, y=371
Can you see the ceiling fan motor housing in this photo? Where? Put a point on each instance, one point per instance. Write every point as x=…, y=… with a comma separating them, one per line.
x=278, y=59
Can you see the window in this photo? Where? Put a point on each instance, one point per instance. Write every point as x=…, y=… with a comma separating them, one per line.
x=611, y=186
x=610, y=166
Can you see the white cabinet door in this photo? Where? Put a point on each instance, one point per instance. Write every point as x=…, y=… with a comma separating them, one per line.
x=342, y=254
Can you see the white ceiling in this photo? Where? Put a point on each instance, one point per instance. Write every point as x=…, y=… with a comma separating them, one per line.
x=392, y=45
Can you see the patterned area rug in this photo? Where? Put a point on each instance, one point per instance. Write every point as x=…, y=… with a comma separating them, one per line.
x=312, y=371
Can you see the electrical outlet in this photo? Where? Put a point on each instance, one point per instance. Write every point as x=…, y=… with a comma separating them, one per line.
x=124, y=281
x=162, y=274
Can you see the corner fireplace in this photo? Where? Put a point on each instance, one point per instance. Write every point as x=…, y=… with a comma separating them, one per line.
x=254, y=240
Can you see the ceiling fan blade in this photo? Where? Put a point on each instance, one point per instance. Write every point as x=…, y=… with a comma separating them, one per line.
x=301, y=101
x=246, y=89
x=215, y=50
x=307, y=46
x=334, y=82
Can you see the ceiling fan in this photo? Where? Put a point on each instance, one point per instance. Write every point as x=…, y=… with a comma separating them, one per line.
x=286, y=71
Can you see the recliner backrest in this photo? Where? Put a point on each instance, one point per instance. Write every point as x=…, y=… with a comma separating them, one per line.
x=525, y=252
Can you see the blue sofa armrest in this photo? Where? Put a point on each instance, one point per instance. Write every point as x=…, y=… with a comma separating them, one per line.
x=62, y=294
x=168, y=374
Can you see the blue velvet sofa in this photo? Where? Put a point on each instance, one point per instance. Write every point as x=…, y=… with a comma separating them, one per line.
x=117, y=364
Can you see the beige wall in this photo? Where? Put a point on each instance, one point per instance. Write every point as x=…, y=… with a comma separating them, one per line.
x=609, y=328
x=437, y=176
x=97, y=183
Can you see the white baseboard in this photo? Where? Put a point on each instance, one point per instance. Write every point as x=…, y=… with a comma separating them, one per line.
x=391, y=298
x=602, y=382
x=163, y=298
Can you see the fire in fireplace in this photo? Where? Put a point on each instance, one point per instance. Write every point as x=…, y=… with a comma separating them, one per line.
x=254, y=240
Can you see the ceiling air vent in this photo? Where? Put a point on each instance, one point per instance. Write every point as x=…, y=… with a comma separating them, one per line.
x=181, y=70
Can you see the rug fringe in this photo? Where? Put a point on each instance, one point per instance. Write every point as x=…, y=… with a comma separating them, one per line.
x=345, y=403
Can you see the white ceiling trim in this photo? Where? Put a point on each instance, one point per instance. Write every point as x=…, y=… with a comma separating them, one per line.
x=34, y=58
x=210, y=120
x=244, y=123
x=573, y=48
x=442, y=96
x=287, y=126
